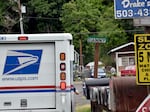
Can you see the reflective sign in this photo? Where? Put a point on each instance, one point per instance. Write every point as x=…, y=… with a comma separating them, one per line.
x=142, y=50
x=145, y=105
x=131, y=8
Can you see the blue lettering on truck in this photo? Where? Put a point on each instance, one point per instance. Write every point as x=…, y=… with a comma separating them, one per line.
x=22, y=62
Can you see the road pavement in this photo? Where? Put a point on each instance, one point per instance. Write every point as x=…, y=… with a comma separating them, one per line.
x=80, y=99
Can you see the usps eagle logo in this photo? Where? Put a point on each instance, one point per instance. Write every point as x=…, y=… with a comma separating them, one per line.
x=22, y=62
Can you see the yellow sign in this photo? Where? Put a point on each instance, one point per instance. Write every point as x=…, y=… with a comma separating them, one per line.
x=142, y=55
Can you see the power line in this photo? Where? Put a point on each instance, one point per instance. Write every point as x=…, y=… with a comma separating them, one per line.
x=58, y=18
x=109, y=31
x=53, y=18
x=86, y=33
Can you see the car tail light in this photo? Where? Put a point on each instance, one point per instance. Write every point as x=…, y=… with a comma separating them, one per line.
x=62, y=85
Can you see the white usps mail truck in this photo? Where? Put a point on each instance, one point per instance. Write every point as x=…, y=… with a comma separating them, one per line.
x=36, y=72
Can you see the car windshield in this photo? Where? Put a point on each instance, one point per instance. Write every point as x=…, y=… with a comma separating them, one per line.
x=100, y=70
x=100, y=74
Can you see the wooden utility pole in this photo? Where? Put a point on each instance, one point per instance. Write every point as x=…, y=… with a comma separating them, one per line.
x=96, y=59
x=147, y=29
x=81, y=55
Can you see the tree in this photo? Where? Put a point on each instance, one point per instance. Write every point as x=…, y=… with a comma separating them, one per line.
x=44, y=14
x=79, y=21
x=111, y=29
x=82, y=18
x=85, y=17
x=41, y=16
x=8, y=15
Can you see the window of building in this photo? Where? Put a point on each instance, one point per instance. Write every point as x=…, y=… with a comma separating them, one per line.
x=128, y=61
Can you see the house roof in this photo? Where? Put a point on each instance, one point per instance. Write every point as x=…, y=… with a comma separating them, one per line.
x=120, y=47
x=91, y=64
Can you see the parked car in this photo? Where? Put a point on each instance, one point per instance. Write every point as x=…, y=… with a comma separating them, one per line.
x=100, y=74
x=129, y=71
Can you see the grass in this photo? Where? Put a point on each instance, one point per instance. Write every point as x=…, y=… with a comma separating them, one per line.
x=84, y=108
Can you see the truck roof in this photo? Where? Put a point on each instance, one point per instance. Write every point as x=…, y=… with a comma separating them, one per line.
x=34, y=37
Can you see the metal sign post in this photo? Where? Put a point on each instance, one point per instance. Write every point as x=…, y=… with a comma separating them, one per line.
x=21, y=18
x=97, y=40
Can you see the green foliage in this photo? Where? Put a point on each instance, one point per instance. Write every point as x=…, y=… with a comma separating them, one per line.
x=110, y=29
x=107, y=60
x=42, y=7
x=85, y=17
x=8, y=15
x=46, y=15
x=82, y=18
x=41, y=16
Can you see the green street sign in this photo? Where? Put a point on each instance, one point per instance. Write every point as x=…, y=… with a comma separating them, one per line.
x=96, y=39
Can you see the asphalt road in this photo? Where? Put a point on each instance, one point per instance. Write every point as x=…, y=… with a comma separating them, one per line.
x=80, y=99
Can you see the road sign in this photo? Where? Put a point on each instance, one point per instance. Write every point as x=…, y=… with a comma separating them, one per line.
x=131, y=8
x=145, y=105
x=142, y=54
x=96, y=39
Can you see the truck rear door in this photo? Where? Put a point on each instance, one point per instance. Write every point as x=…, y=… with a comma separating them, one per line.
x=27, y=75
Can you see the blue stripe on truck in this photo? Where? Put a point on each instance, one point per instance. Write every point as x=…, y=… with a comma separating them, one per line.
x=32, y=91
